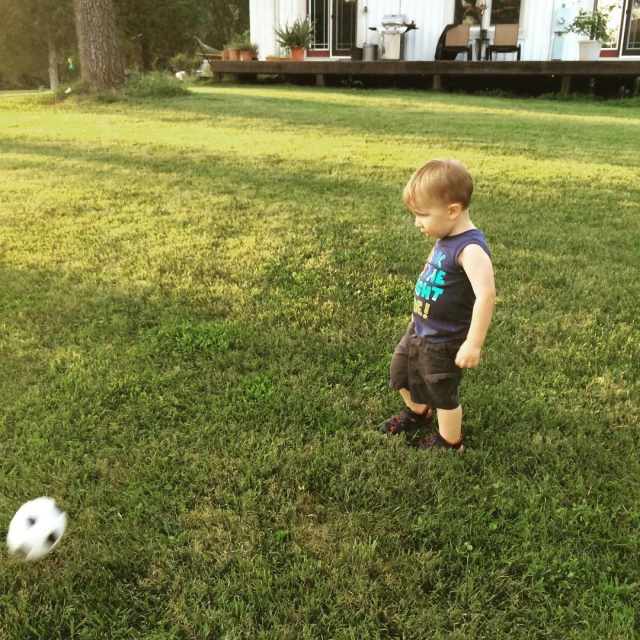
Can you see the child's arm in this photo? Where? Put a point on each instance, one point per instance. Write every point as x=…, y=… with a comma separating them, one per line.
x=477, y=265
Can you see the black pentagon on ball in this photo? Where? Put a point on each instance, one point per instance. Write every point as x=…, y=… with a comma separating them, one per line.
x=52, y=538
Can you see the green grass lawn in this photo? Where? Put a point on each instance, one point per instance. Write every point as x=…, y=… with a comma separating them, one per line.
x=199, y=299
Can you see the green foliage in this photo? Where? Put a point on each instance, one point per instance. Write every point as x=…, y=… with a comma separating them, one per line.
x=499, y=93
x=72, y=89
x=25, y=28
x=299, y=34
x=242, y=42
x=151, y=33
x=185, y=62
x=593, y=24
x=573, y=96
x=199, y=302
x=156, y=84
x=154, y=31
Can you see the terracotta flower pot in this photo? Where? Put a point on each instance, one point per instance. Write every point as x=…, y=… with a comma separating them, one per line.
x=297, y=54
x=234, y=54
x=225, y=54
x=246, y=55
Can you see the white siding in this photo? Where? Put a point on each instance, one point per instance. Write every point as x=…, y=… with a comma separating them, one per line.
x=266, y=15
x=431, y=16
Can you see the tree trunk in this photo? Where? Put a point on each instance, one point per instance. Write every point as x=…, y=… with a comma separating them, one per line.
x=147, y=56
x=53, y=59
x=100, y=62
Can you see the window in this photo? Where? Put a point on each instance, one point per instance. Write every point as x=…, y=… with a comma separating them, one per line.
x=335, y=25
x=505, y=11
x=318, y=14
x=614, y=9
x=631, y=40
x=476, y=12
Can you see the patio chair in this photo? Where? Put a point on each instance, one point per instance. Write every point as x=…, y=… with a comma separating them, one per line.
x=505, y=40
x=453, y=40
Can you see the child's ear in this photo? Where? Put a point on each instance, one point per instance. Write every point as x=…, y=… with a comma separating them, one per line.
x=454, y=210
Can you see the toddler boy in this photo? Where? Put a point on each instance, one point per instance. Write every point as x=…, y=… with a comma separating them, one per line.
x=453, y=304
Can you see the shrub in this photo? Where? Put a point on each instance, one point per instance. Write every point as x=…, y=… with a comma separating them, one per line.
x=155, y=85
x=184, y=62
x=242, y=42
x=78, y=88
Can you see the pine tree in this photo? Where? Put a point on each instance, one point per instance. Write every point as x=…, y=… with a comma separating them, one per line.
x=100, y=61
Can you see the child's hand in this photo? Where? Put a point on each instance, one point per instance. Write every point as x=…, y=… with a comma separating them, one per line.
x=468, y=356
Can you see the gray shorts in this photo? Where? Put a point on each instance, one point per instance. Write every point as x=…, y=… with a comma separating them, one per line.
x=427, y=370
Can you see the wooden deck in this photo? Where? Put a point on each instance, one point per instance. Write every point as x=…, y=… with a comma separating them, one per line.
x=435, y=70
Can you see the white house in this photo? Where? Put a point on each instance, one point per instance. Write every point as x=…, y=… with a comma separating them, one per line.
x=343, y=24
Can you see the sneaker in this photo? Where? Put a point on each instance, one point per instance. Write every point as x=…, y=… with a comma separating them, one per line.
x=436, y=441
x=406, y=420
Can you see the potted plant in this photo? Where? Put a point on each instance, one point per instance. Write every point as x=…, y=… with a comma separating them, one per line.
x=233, y=51
x=247, y=50
x=252, y=52
x=594, y=25
x=234, y=47
x=296, y=37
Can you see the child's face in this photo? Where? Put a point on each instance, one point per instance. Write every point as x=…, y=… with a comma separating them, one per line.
x=436, y=219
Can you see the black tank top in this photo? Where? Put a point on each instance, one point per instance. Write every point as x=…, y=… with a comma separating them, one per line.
x=443, y=297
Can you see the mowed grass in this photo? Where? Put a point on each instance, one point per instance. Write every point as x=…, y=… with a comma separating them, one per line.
x=199, y=302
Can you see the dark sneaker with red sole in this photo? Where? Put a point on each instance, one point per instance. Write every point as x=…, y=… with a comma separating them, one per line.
x=436, y=441
x=406, y=420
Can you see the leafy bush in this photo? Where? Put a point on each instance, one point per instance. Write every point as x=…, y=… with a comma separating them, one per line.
x=78, y=88
x=243, y=42
x=184, y=62
x=573, y=96
x=593, y=24
x=154, y=85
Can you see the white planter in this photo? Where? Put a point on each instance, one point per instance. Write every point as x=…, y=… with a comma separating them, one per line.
x=590, y=49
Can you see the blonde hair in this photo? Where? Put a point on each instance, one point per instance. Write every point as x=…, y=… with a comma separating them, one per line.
x=442, y=179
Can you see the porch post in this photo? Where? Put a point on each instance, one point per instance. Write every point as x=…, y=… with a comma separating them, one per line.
x=566, y=84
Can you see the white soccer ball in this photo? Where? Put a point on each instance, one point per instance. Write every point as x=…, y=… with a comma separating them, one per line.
x=36, y=529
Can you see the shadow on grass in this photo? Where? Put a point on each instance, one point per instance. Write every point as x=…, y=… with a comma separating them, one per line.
x=484, y=125
x=272, y=189
x=235, y=457
x=318, y=269
x=215, y=452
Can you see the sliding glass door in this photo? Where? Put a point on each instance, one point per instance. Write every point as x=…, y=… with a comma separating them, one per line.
x=631, y=40
x=335, y=26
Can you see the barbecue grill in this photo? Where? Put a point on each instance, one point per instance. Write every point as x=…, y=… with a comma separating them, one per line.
x=392, y=31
